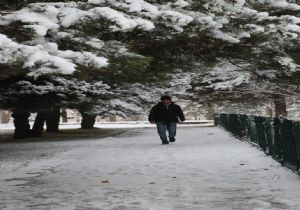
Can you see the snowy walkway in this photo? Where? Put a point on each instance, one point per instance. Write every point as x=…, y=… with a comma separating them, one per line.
x=205, y=169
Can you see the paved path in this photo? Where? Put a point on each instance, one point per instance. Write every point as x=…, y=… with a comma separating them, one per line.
x=204, y=169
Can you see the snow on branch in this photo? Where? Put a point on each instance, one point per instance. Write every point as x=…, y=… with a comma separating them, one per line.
x=228, y=21
x=46, y=58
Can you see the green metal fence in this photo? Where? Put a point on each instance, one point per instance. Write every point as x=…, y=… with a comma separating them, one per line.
x=277, y=137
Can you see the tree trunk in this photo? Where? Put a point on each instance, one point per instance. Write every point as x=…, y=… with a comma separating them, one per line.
x=52, y=120
x=112, y=118
x=88, y=121
x=22, y=127
x=269, y=109
x=210, y=111
x=64, y=115
x=5, y=116
x=38, y=125
x=280, y=106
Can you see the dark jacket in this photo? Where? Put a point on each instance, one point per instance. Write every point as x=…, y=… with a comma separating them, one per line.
x=163, y=113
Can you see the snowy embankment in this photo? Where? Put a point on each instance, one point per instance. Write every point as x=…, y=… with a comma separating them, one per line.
x=122, y=124
x=205, y=168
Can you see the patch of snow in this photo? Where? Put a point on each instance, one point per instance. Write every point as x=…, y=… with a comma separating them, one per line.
x=224, y=36
x=94, y=42
x=243, y=35
x=177, y=17
x=119, y=104
x=139, y=6
x=289, y=63
x=225, y=76
x=285, y=5
x=41, y=23
x=209, y=23
x=255, y=28
x=231, y=83
x=70, y=16
x=43, y=59
x=96, y=1
x=123, y=23
x=180, y=84
x=270, y=74
x=292, y=27
x=181, y=3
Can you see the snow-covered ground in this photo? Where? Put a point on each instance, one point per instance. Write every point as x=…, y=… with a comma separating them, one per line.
x=205, y=168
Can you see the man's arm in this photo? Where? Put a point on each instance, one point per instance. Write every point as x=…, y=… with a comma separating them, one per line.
x=152, y=114
x=180, y=114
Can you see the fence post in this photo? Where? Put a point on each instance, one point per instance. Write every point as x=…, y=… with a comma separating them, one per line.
x=244, y=124
x=224, y=120
x=288, y=144
x=234, y=125
x=217, y=119
x=296, y=131
x=260, y=128
x=269, y=137
x=277, y=154
x=252, y=130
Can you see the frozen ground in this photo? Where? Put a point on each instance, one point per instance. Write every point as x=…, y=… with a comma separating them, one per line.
x=205, y=169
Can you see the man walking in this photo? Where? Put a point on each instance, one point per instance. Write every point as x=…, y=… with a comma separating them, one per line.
x=166, y=114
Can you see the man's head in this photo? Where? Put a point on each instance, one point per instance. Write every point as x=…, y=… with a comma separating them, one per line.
x=166, y=99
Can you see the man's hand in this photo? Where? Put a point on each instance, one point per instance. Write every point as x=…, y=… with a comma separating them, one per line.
x=179, y=120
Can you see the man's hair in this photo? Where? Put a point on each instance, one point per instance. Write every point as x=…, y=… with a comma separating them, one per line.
x=165, y=97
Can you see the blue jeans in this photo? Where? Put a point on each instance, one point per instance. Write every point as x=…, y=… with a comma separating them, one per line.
x=162, y=127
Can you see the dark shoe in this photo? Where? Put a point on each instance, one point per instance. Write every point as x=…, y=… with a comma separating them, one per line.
x=172, y=139
x=165, y=142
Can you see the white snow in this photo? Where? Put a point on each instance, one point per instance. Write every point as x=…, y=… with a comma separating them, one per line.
x=285, y=5
x=11, y=51
x=50, y=17
x=94, y=42
x=209, y=23
x=38, y=21
x=180, y=84
x=226, y=76
x=181, y=3
x=179, y=18
x=224, y=36
x=96, y=1
x=46, y=58
x=292, y=27
x=288, y=63
x=123, y=23
x=204, y=169
x=123, y=105
x=139, y=6
x=70, y=16
x=255, y=28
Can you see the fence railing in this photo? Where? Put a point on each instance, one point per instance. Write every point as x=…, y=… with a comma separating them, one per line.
x=278, y=137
